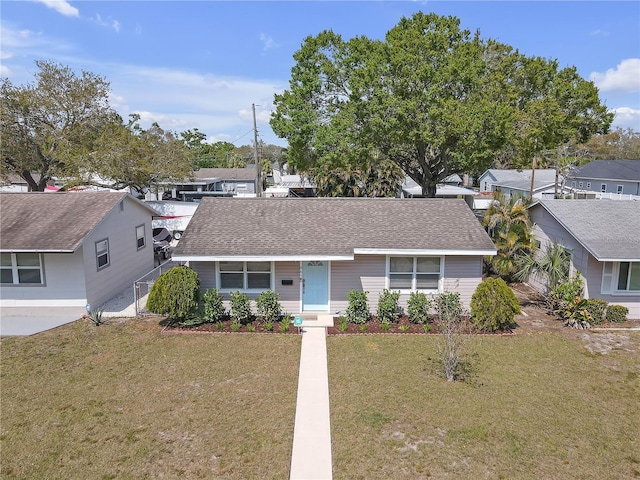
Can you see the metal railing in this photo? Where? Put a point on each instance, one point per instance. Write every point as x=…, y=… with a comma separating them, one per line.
x=142, y=286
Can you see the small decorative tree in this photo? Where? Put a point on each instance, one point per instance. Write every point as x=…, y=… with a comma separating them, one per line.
x=493, y=305
x=175, y=293
x=451, y=348
x=358, y=309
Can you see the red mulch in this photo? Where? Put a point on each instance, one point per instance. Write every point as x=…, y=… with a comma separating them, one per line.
x=402, y=326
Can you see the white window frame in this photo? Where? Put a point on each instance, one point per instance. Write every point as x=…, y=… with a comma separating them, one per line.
x=104, y=241
x=619, y=189
x=142, y=237
x=15, y=270
x=603, y=188
x=611, y=278
x=588, y=185
x=245, y=278
x=579, y=184
x=413, y=288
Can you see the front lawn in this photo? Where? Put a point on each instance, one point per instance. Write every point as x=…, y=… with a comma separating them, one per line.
x=125, y=401
x=535, y=406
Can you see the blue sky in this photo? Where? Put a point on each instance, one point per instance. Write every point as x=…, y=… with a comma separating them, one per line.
x=203, y=64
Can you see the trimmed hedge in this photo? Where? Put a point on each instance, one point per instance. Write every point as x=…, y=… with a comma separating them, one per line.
x=617, y=313
x=494, y=305
x=175, y=293
x=597, y=308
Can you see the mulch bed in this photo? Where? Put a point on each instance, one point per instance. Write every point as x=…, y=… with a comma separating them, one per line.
x=402, y=327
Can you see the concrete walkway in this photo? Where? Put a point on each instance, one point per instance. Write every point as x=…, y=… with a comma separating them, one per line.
x=311, y=454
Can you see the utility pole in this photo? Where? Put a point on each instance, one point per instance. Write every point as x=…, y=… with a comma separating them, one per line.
x=257, y=156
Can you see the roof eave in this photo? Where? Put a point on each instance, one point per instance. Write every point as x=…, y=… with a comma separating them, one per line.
x=258, y=258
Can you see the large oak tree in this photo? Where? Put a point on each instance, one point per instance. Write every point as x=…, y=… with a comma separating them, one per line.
x=62, y=126
x=432, y=98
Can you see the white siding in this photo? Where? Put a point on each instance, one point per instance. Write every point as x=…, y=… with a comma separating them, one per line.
x=63, y=284
x=126, y=262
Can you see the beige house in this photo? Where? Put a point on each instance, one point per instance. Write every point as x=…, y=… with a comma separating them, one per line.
x=314, y=251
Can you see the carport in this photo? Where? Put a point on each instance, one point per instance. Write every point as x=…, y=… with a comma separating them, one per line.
x=23, y=321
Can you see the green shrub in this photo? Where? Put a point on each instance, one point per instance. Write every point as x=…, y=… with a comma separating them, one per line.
x=493, y=305
x=597, y=309
x=240, y=308
x=268, y=305
x=387, y=310
x=565, y=293
x=213, y=308
x=358, y=309
x=418, y=307
x=175, y=293
x=617, y=313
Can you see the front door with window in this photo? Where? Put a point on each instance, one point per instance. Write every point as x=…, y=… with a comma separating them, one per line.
x=315, y=286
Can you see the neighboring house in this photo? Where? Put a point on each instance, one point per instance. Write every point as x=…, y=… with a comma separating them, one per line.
x=518, y=182
x=615, y=177
x=213, y=182
x=449, y=188
x=70, y=249
x=603, y=239
x=314, y=251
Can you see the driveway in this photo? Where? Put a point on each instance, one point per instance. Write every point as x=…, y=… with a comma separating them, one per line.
x=23, y=321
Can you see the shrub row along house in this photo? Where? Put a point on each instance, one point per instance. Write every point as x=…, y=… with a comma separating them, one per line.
x=314, y=251
x=602, y=239
x=70, y=249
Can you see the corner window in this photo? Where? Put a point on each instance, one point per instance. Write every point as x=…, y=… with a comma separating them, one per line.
x=21, y=268
x=414, y=273
x=621, y=277
x=140, y=239
x=245, y=275
x=102, y=253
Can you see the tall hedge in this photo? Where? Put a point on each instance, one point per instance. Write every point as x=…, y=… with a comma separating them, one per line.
x=493, y=305
x=175, y=293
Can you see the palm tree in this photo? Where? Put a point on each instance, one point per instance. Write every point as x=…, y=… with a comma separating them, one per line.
x=553, y=265
x=507, y=223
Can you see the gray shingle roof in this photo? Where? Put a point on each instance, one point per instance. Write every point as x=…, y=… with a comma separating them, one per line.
x=244, y=174
x=628, y=170
x=52, y=221
x=279, y=227
x=609, y=229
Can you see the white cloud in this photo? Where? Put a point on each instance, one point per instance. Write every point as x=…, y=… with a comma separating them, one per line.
x=624, y=78
x=109, y=23
x=600, y=33
x=267, y=42
x=5, y=71
x=626, y=118
x=61, y=6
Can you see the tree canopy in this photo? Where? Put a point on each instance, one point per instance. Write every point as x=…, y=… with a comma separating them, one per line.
x=61, y=126
x=431, y=98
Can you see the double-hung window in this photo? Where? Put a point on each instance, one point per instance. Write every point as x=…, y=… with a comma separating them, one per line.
x=21, y=268
x=140, y=239
x=245, y=275
x=621, y=277
x=102, y=253
x=415, y=273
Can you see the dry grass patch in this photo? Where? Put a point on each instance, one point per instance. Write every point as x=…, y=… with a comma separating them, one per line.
x=535, y=406
x=124, y=401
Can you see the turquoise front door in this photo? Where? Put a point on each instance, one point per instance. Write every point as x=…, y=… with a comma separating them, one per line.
x=315, y=286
